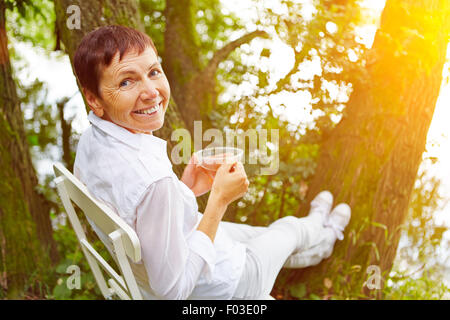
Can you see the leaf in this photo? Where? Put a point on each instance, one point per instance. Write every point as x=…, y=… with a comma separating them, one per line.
x=355, y=268
x=265, y=52
x=313, y=296
x=62, y=267
x=33, y=140
x=298, y=291
x=382, y=226
x=262, y=78
x=375, y=248
x=61, y=292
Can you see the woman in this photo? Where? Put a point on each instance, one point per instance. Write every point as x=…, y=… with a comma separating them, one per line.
x=185, y=254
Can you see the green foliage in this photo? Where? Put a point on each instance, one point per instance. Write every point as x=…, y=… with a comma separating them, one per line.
x=424, y=287
x=152, y=13
x=299, y=147
x=218, y=23
x=42, y=119
x=298, y=290
x=70, y=250
x=32, y=21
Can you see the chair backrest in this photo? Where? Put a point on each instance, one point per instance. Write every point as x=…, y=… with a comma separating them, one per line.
x=124, y=242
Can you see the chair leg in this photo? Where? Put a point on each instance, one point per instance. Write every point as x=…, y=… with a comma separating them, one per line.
x=118, y=290
x=124, y=264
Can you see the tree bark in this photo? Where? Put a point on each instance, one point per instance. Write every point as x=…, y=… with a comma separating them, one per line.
x=66, y=129
x=26, y=242
x=93, y=15
x=181, y=60
x=370, y=160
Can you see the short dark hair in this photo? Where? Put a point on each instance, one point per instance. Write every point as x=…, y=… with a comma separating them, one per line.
x=97, y=49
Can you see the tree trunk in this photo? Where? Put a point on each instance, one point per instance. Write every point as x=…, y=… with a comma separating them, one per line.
x=94, y=14
x=181, y=61
x=66, y=129
x=370, y=160
x=26, y=243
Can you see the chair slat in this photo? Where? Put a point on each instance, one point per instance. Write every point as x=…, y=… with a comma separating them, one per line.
x=104, y=264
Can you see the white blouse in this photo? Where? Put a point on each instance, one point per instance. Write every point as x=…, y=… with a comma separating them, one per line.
x=132, y=174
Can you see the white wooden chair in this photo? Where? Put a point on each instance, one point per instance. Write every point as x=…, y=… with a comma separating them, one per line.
x=123, y=241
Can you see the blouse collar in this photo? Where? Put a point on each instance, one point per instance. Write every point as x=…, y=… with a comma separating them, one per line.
x=135, y=140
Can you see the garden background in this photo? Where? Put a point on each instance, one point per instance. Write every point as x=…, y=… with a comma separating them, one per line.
x=358, y=90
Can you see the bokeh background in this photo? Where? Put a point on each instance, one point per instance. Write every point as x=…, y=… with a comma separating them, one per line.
x=291, y=65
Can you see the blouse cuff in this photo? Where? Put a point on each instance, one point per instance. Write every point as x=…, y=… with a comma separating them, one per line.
x=202, y=245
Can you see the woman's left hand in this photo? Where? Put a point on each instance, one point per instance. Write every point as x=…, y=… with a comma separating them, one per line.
x=197, y=178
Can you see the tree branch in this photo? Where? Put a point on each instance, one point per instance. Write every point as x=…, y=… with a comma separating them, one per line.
x=201, y=88
x=281, y=84
x=223, y=53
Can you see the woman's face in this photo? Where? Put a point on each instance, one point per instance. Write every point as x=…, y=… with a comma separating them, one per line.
x=134, y=92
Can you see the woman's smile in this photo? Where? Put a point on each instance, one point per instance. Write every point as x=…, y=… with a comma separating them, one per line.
x=149, y=111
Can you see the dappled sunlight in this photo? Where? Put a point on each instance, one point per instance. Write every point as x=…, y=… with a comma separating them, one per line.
x=347, y=96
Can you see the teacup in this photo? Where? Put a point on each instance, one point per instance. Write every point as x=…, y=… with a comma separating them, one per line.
x=212, y=158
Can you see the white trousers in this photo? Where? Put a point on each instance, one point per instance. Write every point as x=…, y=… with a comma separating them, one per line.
x=267, y=250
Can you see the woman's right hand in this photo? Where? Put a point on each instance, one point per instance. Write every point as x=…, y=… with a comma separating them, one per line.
x=230, y=182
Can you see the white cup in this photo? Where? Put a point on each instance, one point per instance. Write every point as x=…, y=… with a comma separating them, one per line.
x=212, y=158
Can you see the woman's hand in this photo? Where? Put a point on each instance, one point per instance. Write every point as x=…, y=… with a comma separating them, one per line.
x=230, y=183
x=197, y=178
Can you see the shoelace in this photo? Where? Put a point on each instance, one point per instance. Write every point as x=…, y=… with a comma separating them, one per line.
x=328, y=221
x=337, y=228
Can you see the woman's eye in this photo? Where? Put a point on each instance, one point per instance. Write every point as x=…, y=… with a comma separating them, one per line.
x=125, y=83
x=154, y=72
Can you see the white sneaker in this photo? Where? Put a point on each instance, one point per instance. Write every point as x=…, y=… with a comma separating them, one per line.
x=335, y=224
x=312, y=226
x=339, y=219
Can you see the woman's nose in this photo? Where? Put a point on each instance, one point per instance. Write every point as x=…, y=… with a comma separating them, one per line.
x=149, y=90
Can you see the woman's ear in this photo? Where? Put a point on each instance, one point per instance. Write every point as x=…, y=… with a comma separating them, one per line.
x=94, y=103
